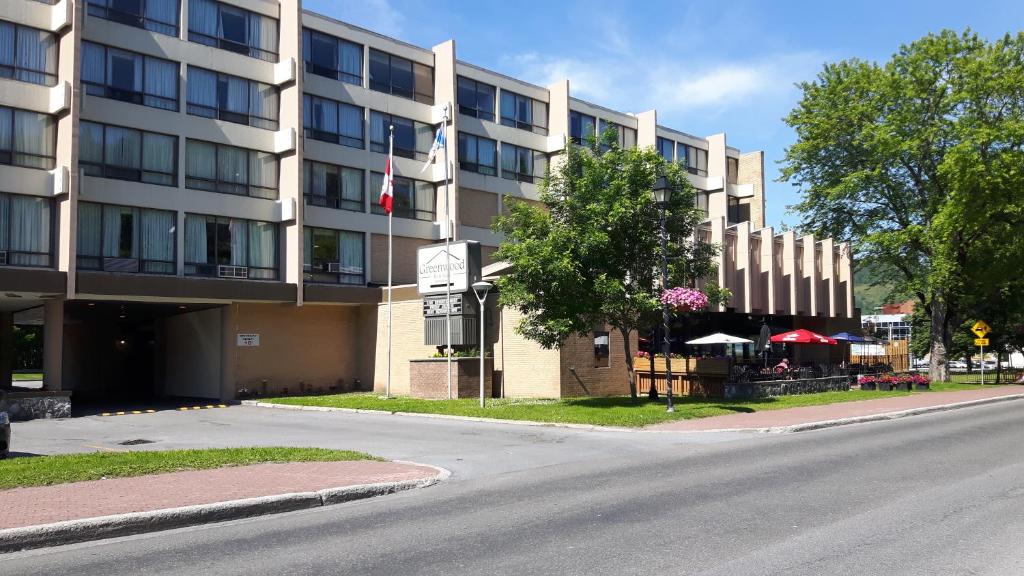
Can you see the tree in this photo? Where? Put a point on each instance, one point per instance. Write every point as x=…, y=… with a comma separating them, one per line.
x=917, y=162
x=588, y=255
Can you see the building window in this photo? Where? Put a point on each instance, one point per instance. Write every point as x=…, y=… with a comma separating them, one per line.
x=129, y=77
x=232, y=28
x=602, y=353
x=332, y=121
x=223, y=247
x=231, y=170
x=414, y=199
x=695, y=160
x=524, y=113
x=703, y=199
x=476, y=99
x=154, y=15
x=26, y=225
x=522, y=164
x=624, y=137
x=666, y=148
x=232, y=99
x=581, y=127
x=401, y=77
x=412, y=139
x=333, y=186
x=128, y=154
x=333, y=256
x=124, y=239
x=738, y=211
x=332, y=57
x=27, y=139
x=28, y=54
x=478, y=154
x=732, y=170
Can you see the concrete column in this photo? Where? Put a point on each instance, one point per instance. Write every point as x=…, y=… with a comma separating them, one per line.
x=718, y=239
x=809, y=271
x=228, y=352
x=828, y=278
x=790, y=267
x=743, y=299
x=6, y=348
x=845, y=274
x=53, y=344
x=66, y=220
x=291, y=245
x=768, y=270
x=444, y=93
x=647, y=129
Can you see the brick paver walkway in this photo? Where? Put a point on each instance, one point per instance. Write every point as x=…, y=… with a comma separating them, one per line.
x=809, y=414
x=45, y=504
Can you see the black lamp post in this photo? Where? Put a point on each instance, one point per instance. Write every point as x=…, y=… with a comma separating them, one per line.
x=662, y=195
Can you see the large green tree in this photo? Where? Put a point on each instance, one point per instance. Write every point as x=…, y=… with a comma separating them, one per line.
x=588, y=254
x=919, y=163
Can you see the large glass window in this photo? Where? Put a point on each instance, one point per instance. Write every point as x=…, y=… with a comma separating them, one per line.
x=414, y=199
x=28, y=54
x=154, y=15
x=666, y=148
x=231, y=170
x=732, y=170
x=332, y=57
x=401, y=77
x=523, y=112
x=695, y=160
x=232, y=98
x=232, y=28
x=625, y=137
x=412, y=139
x=26, y=230
x=230, y=247
x=333, y=186
x=703, y=199
x=476, y=99
x=333, y=256
x=332, y=121
x=27, y=139
x=478, y=154
x=129, y=77
x=738, y=211
x=128, y=154
x=581, y=127
x=522, y=164
x=125, y=239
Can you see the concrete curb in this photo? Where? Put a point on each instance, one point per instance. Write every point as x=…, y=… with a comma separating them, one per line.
x=103, y=527
x=803, y=427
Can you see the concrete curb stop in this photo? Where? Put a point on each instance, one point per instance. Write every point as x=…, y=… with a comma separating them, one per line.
x=103, y=527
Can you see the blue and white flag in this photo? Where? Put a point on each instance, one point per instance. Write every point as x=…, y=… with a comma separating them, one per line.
x=438, y=144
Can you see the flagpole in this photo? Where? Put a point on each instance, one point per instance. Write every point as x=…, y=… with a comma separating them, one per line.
x=448, y=255
x=391, y=170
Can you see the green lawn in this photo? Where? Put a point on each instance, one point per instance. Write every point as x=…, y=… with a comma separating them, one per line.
x=614, y=411
x=18, y=377
x=59, y=469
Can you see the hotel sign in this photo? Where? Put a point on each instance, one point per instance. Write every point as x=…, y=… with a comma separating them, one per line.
x=434, y=269
x=249, y=340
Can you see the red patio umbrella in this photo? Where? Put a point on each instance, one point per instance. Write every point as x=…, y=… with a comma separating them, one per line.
x=802, y=336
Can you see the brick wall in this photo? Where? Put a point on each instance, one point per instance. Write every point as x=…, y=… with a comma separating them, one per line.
x=526, y=369
x=581, y=377
x=407, y=343
x=752, y=172
x=477, y=208
x=404, y=254
x=430, y=378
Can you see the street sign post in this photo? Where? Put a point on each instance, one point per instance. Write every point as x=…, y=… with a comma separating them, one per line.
x=981, y=342
x=981, y=330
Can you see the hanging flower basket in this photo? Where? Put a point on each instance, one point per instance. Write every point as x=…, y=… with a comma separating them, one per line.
x=685, y=299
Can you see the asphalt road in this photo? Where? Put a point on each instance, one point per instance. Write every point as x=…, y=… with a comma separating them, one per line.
x=936, y=494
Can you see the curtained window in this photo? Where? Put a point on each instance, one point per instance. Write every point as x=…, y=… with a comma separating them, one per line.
x=128, y=154
x=518, y=163
x=26, y=224
x=27, y=139
x=476, y=99
x=28, y=54
x=231, y=170
x=232, y=28
x=154, y=15
x=478, y=154
x=332, y=121
x=582, y=127
x=414, y=199
x=333, y=186
x=525, y=113
x=232, y=99
x=325, y=55
x=129, y=76
x=401, y=77
x=333, y=256
x=412, y=139
x=213, y=241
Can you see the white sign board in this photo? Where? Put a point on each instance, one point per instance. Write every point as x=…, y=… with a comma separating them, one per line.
x=249, y=340
x=433, y=268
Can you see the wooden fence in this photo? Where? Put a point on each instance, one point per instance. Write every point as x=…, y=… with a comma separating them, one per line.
x=895, y=353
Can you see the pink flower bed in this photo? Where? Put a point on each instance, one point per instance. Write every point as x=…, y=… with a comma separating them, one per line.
x=894, y=380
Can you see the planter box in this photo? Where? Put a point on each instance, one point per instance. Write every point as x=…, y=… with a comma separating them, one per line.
x=922, y=386
x=868, y=386
x=428, y=378
x=885, y=386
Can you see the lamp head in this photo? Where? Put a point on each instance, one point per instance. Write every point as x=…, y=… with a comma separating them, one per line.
x=481, y=289
x=662, y=191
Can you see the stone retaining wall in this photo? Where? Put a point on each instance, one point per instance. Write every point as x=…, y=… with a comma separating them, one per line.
x=35, y=404
x=772, y=388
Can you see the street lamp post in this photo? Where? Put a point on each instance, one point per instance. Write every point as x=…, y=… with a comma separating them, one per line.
x=481, y=289
x=662, y=195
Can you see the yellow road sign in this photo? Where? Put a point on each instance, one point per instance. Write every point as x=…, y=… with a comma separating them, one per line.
x=980, y=328
x=981, y=341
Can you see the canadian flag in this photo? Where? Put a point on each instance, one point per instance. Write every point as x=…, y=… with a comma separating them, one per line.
x=387, y=189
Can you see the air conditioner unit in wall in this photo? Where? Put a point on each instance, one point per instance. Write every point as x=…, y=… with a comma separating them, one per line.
x=232, y=272
x=334, y=267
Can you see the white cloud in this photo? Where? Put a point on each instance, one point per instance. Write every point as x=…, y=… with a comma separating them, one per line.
x=377, y=15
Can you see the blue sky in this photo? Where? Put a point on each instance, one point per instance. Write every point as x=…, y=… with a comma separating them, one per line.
x=677, y=56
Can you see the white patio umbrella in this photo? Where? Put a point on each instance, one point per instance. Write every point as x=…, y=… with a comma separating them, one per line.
x=719, y=338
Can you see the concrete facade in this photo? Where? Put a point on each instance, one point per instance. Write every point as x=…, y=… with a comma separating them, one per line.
x=317, y=313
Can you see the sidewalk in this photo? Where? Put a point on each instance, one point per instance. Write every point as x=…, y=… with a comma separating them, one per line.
x=808, y=415
x=22, y=507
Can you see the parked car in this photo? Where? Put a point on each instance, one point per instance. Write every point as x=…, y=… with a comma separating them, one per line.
x=957, y=365
x=989, y=364
x=920, y=364
x=5, y=430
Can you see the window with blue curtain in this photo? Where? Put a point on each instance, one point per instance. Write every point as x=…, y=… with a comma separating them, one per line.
x=332, y=121
x=26, y=230
x=522, y=164
x=232, y=28
x=230, y=170
x=138, y=239
x=232, y=99
x=414, y=199
x=401, y=77
x=28, y=54
x=665, y=148
x=581, y=127
x=478, y=154
x=154, y=15
x=412, y=139
x=525, y=113
x=128, y=154
x=214, y=242
x=333, y=256
x=332, y=186
x=129, y=76
x=332, y=57
x=27, y=139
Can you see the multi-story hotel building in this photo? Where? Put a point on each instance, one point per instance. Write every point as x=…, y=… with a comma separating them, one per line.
x=188, y=190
